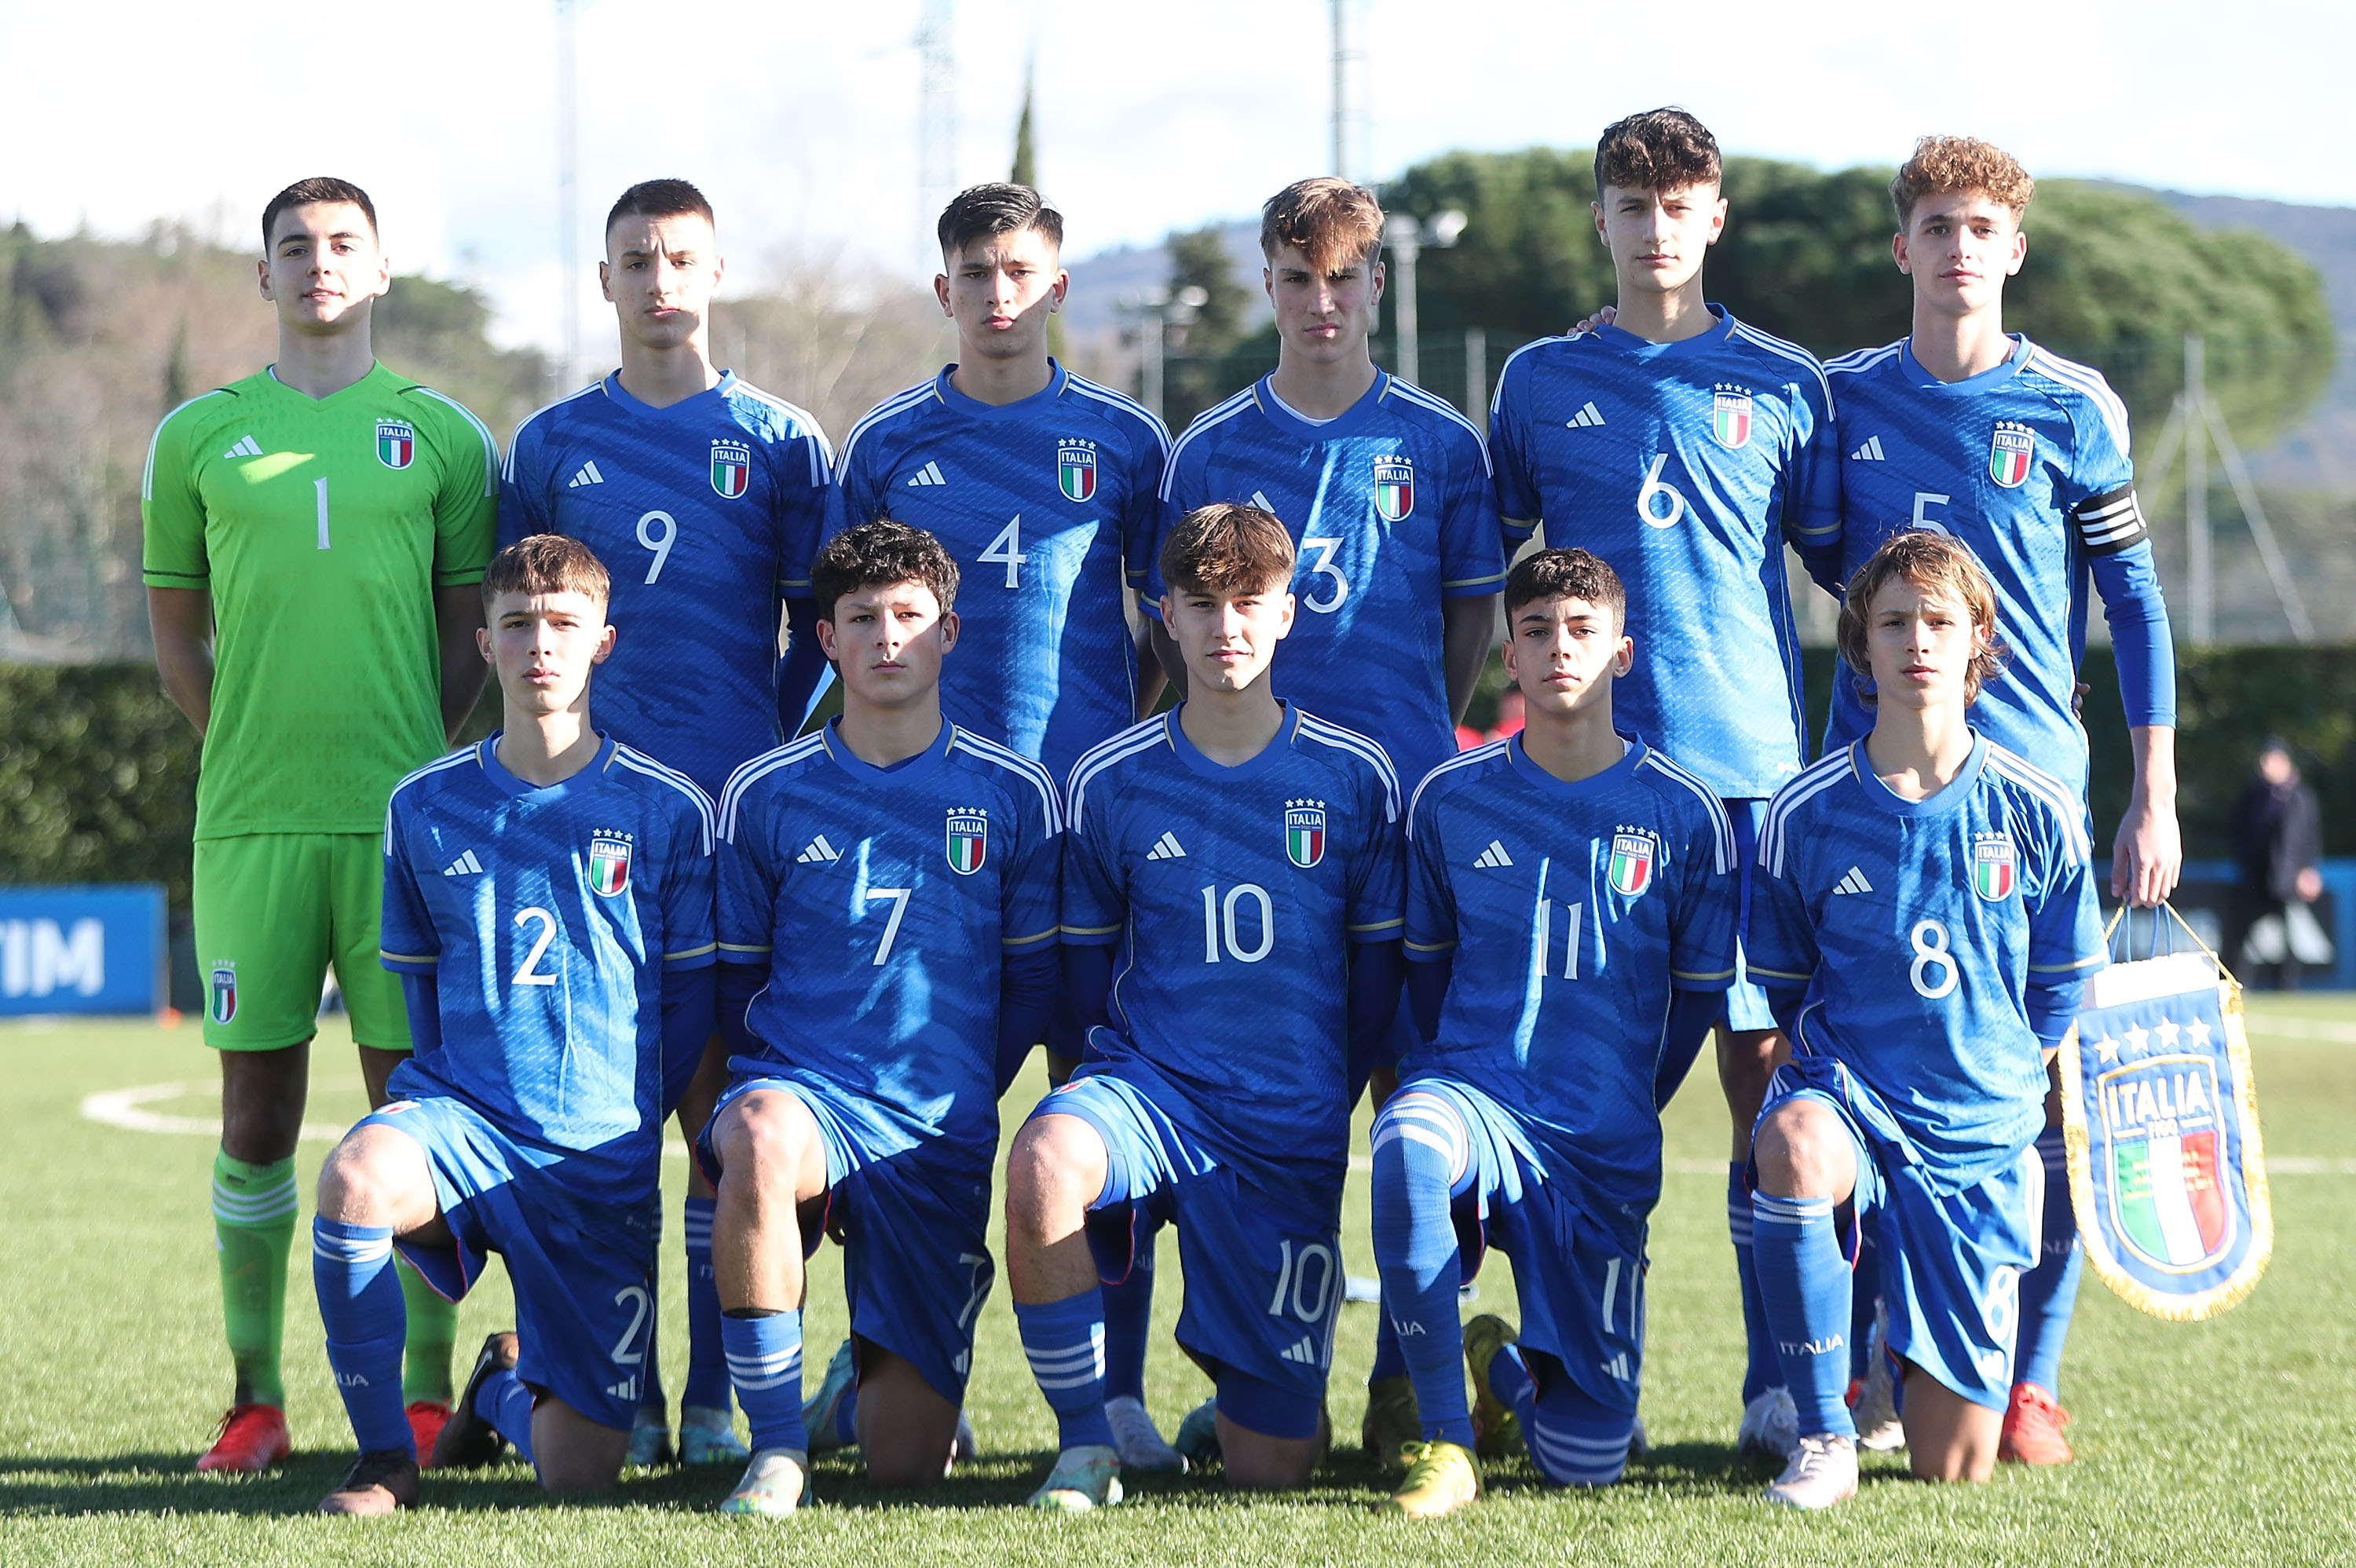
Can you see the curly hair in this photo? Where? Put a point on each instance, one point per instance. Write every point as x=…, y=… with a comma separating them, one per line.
x=1549, y=574
x=1943, y=165
x=1936, y=564
x=879, y=553
x=1661, y=149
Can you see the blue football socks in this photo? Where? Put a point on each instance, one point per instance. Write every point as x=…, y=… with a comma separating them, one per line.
x=707, y=1361
x=1421, y=1145
x=1760, y=1370
x=1806, y=1285
x=765, y=1364
x=1573, y=1440
x=1129, y=1322
x=2049, y=1293
x=359, y=1302
x=505, y=1404
x=1065, y=1342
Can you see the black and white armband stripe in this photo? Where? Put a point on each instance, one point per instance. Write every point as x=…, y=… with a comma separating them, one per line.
x=2110, y=522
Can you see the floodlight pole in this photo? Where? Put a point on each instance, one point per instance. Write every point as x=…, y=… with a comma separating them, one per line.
x=568, y=190
x=2200, y=562
x=1406, y=237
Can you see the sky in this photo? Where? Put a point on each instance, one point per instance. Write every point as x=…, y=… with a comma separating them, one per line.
x=800, y=121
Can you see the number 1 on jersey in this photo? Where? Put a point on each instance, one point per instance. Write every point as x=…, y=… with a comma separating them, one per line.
x=320, y=486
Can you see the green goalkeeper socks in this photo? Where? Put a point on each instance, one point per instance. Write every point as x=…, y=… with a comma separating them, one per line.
x=253, y=1231
x=432, y=1331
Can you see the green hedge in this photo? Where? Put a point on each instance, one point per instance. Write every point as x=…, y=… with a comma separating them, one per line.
x=97, y=769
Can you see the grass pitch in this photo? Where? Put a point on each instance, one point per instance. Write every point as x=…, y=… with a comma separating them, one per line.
x=2223, y=1442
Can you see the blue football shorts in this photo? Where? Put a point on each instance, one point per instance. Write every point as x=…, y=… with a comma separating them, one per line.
x=1951, y=1262
x=1580, y=1279
x=912, y=1223
x=1263, y=1270
x=580, y=1252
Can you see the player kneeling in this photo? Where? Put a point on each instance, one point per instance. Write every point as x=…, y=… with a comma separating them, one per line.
x=1247, y=854
x=1924, y=919
x=1571, y=924
x=888, y=920
x=548, y=903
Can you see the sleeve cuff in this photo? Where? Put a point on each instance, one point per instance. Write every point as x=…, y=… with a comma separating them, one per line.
x=154, y=578
x=410, y=962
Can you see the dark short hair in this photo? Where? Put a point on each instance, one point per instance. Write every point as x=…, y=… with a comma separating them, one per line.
x=1228, y=549
x=309, y=193
x=1549, y=574
x=546, y=563
x=1334, y=224
x=983, y=211
x=1661, y=149
x=874, y=554
x=659, y=198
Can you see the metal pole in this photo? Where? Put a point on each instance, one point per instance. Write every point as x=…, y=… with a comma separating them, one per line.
x=568, y=190
x=1340, y=167
x=1476, y=375
x=2199, y=568
x=1410, y=364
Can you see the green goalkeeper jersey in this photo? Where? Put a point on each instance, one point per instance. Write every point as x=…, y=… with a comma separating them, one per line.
x=321, y=526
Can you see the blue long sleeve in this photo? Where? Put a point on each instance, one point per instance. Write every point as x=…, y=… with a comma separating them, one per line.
x=1087, y=983
x=1026, y=1001
x=423, y=995
x=803, y=673
x=1691, y=1014
x=691, y=1001
x=2053, y=1009
x=1427, y=992
x=1373, y=1002
x=2141, y=641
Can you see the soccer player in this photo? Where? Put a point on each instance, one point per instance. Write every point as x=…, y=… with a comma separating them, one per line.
x=1386, y=493
x=889, y=912
x=315, y=534
x=548, y=904
x=1245, y=856
x=1570, y=921
x=2022, y=455
x=1685, y=447
x=1924, y=918
x=711, y=494
x=1045, y=487
x=1041, y=484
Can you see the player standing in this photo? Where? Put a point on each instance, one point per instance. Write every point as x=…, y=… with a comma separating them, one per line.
x=1925, y=917
x=710, y=494
x=314, y=534
x=889, y=908
x=1245, y=856
x=1386, y=493
x=1570, y=921
x=1685, y=447
x=2022, y=455
x=548, y=903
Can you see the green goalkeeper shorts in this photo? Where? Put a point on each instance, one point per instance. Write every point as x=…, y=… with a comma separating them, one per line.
x=274, y=912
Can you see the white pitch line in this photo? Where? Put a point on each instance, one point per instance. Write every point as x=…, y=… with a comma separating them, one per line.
x=2299, y=1029
x=121, y=1108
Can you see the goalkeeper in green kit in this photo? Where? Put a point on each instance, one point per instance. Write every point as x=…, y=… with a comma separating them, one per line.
x=315, y=534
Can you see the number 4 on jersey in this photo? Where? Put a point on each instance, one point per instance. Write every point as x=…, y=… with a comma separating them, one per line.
x=1007, y=550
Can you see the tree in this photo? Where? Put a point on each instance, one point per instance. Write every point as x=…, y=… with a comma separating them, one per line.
x=1197, y=372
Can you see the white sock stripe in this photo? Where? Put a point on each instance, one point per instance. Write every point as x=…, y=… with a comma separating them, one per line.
x=1766, y=1211
x=787, y=1363
x=1561, y=1442
x=338, y=1251
x=1059, y=1383
x=758, y=1385
x=1072, y=1361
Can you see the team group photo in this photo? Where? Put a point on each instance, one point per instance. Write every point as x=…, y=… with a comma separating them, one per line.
x=1194, y=930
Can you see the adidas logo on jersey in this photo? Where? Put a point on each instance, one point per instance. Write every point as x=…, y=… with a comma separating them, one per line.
x=1305, y=1352
x=1494, y=857
x=587, y=475
x=1588, y=418
x=1166, y=848
x=930, y=474
x=1870, y=453
x=465, y=865
x=246, y=447
x=627, y=1389
x=1854, y=882
x=818, y=852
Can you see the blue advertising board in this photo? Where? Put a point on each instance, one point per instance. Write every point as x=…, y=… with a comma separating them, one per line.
x=82, y=950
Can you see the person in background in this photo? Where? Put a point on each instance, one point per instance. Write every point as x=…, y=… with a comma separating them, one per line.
x=2277, y=844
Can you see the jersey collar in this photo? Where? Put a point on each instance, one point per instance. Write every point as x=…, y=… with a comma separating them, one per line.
x=506, y=784
x=1610, y=778
x=376, y=378
x=1957, y=791
x=1269, y=755
x=974, y=408
x=1347, y=423
x=1987, y=380
x=904, y=772
x=621, y=398
x=1621, y=341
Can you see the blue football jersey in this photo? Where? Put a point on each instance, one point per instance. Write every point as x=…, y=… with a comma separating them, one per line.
x=547, y=917
x=1922, y=924
x=706, y=513
x=1392, y=510
x=1569, y=910
x=2028, y=466
x=1685, y=465
x=1235, y=894
x=881, y=901
x=1047, y=505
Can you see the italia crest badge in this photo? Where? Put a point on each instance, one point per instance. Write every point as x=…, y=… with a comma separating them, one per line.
x=2010, y=451
x=1076, y=470
x=396, y=444
x=609, y=863
x=1304, y=832
x=1729, y=416
x=224, y=1005
x=1994, y=868
x=968, y=839
x=1631, y=864
x=1394, y=488
x=732, y=468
